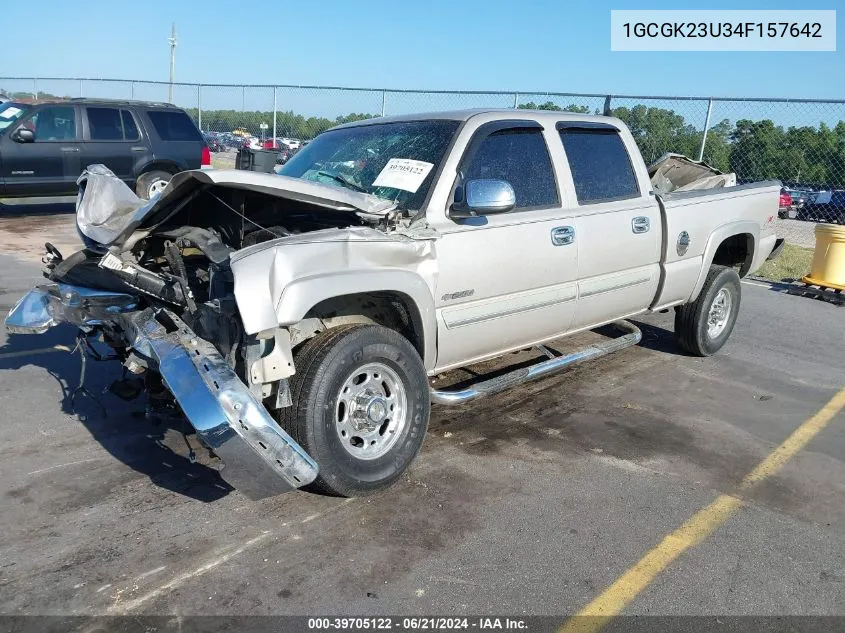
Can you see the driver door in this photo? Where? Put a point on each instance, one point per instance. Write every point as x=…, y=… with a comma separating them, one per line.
x=51, y=163
x=507, y=280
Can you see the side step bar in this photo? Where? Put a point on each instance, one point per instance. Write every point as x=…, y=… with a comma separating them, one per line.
x=543, y=368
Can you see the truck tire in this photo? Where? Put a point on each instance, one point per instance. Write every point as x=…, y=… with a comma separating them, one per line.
x=151, y=182
x=360, y=407
x=704, y=326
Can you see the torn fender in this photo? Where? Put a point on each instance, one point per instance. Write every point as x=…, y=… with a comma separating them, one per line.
x=278, y=282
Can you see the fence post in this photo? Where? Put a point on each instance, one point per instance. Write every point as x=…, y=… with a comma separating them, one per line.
x=81, y=92
x=515, y=100
x=243, y=98
x=131, y=89
x=35, y=89
x=274, y=114
x=383, y=102
x=199, y=107
x=608, y=111
x=706, y=126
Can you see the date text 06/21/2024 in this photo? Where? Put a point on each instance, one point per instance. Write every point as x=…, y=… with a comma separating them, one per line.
x=420, y=623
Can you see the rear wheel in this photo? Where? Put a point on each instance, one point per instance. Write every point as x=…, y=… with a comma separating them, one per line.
x=704, y=326
x=151, y=183
x=360, y=407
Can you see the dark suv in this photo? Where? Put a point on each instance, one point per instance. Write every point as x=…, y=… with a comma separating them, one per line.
x=45, y=146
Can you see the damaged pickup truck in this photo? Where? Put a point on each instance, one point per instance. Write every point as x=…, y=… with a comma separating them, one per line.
x=296, y=319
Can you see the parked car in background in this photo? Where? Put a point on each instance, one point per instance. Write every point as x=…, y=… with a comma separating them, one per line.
x=825, y=207
x=284, y=156
x=44, y=147
x=4, y=98
x=291, y=143
x=231, y=141
x=213, y=143
x=791, y=202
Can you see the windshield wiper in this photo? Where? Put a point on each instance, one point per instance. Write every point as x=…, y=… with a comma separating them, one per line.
x=343, y=181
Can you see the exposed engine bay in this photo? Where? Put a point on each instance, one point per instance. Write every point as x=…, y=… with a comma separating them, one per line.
x=173, y=252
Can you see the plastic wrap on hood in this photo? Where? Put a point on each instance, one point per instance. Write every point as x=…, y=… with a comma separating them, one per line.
x=676, y=172
x=106, y=206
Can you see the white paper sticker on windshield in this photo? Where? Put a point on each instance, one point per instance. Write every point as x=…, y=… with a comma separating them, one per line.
x=403, y=173
x=9, y=112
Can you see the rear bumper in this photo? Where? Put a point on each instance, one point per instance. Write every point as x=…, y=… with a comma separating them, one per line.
x=259, y=458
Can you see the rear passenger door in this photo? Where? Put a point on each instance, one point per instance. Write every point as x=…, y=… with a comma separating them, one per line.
x=112, y=138
x=620, y=229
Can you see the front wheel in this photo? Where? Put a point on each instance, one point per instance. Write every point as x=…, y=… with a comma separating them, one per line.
x=704, y=326
x=360, y=407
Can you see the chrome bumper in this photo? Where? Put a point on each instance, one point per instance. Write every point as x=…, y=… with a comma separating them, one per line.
x=50, y=304
x=259, y=458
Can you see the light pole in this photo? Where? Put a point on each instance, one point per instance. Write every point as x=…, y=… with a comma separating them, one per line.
x=172, y=41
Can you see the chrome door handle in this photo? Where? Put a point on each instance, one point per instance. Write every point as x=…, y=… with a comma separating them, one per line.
x=563, y=235
x=138, y=148
x=70, y=149
x=640, y=224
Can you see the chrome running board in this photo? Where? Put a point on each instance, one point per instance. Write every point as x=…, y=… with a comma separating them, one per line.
x=543, y=368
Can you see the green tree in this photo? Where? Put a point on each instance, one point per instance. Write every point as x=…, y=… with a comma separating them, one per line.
x=549, y=105
x=757, y=150
x=717, y=149
x=287, y=123
x=658, y=130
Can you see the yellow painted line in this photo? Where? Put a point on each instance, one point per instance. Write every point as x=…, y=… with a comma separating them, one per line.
x=612, y=600
x=795, y=442
x=629, y=585
x=40, y=350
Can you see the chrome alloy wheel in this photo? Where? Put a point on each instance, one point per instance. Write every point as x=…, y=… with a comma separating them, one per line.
x=720, y=312
x=157, y=186
x=372, y=411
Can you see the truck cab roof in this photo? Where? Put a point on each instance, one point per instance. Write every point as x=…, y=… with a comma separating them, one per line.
x=491, y=114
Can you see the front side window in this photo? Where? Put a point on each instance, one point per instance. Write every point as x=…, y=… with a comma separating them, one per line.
x=53, y=123
x=395, y=161
x=600, y=165
x=520, y=157
x=11, y=112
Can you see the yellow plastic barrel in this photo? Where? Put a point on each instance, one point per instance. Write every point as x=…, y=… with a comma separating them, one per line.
x=828, y=267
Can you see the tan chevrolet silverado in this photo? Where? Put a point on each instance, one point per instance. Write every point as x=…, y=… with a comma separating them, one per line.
x=296, y=319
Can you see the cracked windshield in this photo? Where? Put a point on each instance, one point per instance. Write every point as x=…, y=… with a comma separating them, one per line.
x=394, y=161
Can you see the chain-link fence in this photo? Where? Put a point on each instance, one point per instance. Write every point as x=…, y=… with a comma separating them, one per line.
x=800, y=142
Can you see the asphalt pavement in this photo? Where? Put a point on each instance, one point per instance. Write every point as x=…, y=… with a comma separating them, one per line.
x=533, y=501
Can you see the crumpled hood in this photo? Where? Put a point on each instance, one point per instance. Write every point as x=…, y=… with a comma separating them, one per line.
x=676, y=172
x=108, y=211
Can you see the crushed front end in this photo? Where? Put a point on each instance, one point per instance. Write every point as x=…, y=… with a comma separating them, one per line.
x=259, y=458
x=154, y=284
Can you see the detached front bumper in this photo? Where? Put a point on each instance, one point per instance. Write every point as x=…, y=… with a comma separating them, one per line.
x=259, y=458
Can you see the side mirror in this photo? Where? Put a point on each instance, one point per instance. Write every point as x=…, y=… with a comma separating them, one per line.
x=23, y=135
x=483, y=197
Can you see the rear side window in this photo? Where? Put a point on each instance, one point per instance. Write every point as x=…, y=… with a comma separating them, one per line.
x=520, y=157
x=111, y=124
x=174, y=126
x=600, y=165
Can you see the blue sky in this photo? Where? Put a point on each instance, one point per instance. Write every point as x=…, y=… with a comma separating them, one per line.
x=525, y=45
